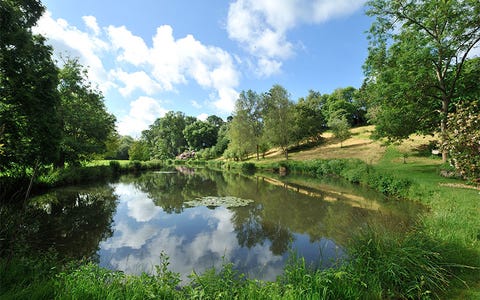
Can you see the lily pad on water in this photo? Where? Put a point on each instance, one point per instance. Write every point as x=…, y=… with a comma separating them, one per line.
x=228, y=201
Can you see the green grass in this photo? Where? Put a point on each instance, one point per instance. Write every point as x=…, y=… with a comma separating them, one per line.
x=439, y=258
x=381, y=266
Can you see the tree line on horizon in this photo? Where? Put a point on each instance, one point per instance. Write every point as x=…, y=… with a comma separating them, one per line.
x=420, y=78
x=259, y=122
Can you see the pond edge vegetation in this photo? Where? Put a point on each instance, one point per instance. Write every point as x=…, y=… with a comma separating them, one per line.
x=420, y=264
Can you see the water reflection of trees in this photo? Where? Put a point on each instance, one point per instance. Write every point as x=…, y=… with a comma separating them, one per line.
x=71, y=221
x=169, y=190
x=278, y=211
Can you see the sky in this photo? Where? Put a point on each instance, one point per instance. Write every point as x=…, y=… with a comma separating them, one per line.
x=148, y=57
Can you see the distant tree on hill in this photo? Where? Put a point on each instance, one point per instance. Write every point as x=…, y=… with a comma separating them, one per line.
x=279, y=118
x=340, y=127
x=309, y=119
x=347, y=102
x=246, y=126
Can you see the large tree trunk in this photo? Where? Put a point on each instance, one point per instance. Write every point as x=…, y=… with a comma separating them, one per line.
x=443, y=127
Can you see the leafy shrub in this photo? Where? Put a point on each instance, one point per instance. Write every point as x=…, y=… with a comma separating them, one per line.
x=388, y=184
x=153, y=165
x=215, y=164
x=356, y=171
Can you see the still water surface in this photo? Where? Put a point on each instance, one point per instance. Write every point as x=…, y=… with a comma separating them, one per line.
x=127, y=224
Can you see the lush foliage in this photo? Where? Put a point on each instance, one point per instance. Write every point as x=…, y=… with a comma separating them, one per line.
x=340, y=127
x=463, y=142
x=139, y=151
x=279, y=118
x=86, y=124
x=175, y=133
x=347, y=103
x=118, y=146
x=47, y=116
x=246, y=127
x=416, y=57
x=28, y=99
x=200, y=135
x=165, y=138
x=309, y=118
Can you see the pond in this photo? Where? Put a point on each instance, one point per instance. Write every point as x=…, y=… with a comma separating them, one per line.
x=201, y=218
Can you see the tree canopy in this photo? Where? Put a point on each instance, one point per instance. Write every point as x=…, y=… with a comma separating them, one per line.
x=28, y=79
x=86, y=124
x=279, y=118
x=47, y=115
x=417, y=53
x=309, y=117
x=246, y=127
x=200, y=135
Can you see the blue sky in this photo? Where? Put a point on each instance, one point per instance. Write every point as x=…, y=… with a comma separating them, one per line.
x=149, y=57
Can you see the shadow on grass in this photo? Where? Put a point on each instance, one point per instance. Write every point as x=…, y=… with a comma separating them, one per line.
x=306, y=146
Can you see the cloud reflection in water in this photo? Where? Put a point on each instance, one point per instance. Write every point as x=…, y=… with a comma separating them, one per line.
x=198, y=238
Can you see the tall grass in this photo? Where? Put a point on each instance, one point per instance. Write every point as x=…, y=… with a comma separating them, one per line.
x=380, y=267
x=409, y=266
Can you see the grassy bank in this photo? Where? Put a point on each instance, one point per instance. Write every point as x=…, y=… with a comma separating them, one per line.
x=439, y=258
x=380, y=268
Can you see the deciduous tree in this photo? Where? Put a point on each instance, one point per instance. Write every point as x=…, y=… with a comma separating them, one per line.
x=340, y=127
x=416, y=57
x=165, y=137
x=246, y=126
x=200, y=135
x=279, y=118
x=139, y=151
x=84, y=118
x=28, y=94
x=309, y=119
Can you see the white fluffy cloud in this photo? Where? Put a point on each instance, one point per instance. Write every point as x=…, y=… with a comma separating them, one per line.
x=261, y=26
x=143, y=112
x=132, y=48
x=202, y=117
x=136, y=80
x=91, y=23
x=171, y=62
x=116, y=57
x=89, y=48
